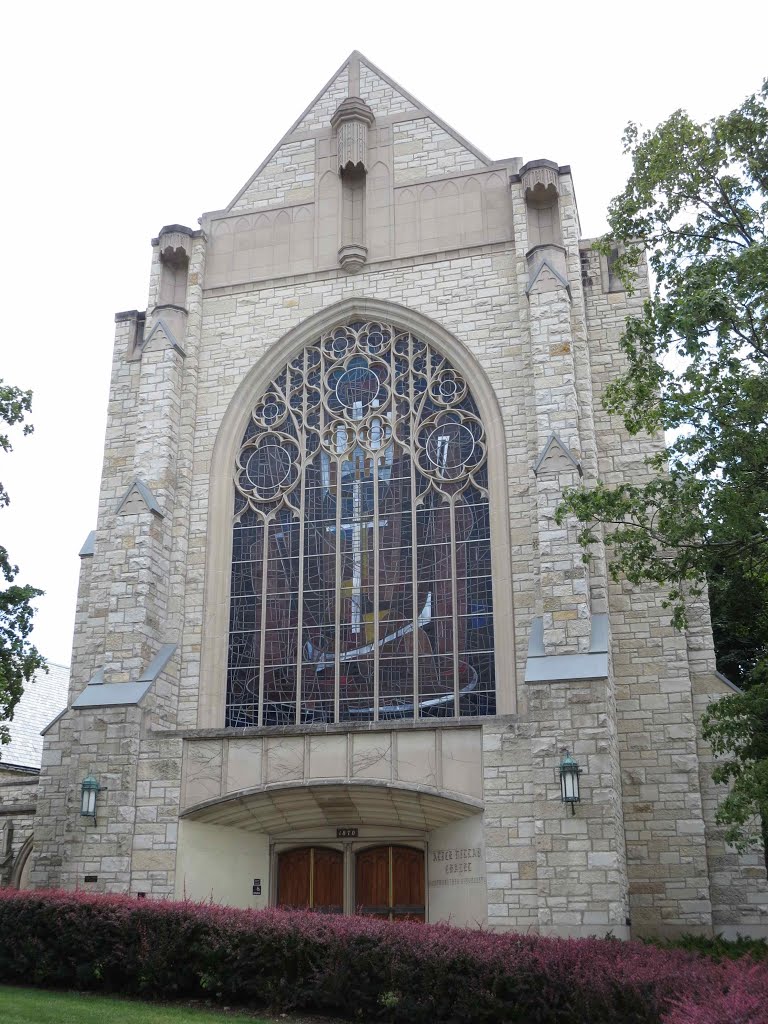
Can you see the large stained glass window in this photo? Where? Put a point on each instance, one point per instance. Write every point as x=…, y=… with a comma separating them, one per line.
x=361, y=560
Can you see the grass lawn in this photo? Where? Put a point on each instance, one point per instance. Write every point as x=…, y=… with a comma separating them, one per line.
x=38, y=1006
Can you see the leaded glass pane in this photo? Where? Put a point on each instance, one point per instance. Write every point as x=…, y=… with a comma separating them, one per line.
x=361, y=558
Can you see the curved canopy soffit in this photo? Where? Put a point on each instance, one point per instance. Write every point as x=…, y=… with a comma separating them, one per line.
x=285, y=806
x=308, y=331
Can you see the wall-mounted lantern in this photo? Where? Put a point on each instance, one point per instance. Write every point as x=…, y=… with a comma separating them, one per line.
x=569, y=772
x=89, y=790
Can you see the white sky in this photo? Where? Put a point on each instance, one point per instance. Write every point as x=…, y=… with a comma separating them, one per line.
x=121, y=118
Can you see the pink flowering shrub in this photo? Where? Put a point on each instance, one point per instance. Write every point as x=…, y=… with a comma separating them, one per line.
x=362, y=968
x=735, y=993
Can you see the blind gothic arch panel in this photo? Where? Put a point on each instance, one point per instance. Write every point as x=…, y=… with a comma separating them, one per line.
x=361, y=583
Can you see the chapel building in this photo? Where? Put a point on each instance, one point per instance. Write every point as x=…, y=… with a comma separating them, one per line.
x=331, y=644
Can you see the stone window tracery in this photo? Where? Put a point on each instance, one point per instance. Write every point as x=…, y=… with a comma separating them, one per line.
x=361, y=570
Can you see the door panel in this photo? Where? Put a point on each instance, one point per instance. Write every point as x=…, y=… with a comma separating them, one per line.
x=311, y=878
x=407, y=883
x=389, y=883
x=372, y=882
x=293, y=874
x=328, y=881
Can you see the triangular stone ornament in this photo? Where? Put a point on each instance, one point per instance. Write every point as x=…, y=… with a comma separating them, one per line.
x=555, y=458
x=137, y=499
x=547, y=283
x=161, y=336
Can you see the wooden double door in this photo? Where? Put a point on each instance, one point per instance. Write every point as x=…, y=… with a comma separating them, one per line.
x=388, y=880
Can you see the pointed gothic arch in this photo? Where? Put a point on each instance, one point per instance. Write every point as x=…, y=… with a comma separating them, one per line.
x=228, y=444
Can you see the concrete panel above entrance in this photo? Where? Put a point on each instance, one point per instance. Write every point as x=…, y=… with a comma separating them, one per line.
x=285, y=806
x=446, y=760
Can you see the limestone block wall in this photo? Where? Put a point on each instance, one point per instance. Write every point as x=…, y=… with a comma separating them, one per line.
x=131, y=845
x=423, y=149
x=581, y=861
x=155, y=834
x=318, y=117
x=104, y=742
x=662, y=800
x=129, y=604
x=383, y=99
x=509, y=825
x=97, y=601
x=288, y=178
x=85, y=638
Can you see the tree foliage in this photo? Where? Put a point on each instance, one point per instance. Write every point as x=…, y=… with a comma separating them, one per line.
x=737, y=730
x=696, y=203
x=19, y=660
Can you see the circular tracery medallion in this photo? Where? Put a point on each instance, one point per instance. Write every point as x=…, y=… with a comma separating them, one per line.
x=269, y=467
x=357, y=388
x=450, y=447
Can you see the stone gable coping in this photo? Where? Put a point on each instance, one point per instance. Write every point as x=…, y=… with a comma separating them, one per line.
x=88, y=545
x=161, y=327
x=146, y=495
x=555, y=273
x=100, y=694
x=554, y=444
x=551, y=668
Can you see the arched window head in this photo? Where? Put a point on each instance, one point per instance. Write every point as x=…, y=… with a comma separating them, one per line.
x=361, y=559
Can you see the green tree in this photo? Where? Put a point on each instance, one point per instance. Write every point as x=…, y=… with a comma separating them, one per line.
x=696, y=203
x=19, y=660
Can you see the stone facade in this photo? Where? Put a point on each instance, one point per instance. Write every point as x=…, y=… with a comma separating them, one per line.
x=484, y=260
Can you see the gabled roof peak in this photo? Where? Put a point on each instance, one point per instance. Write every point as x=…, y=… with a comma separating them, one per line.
x=357, y=78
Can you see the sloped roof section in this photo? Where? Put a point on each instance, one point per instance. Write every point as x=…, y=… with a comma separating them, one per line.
x=43, y=698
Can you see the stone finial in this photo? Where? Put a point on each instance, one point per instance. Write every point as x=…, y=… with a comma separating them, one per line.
x=352, y=258
x=540, y=176
x=175, y=244
x=352, y=119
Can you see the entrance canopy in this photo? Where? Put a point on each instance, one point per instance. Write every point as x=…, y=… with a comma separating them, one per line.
x=283, y=806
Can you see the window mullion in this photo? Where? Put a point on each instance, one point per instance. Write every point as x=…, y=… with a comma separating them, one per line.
x=337, y=608
x=263, y=626
x=414, y=532
x=454, y=611
x=302, y=531
x=375, y=546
